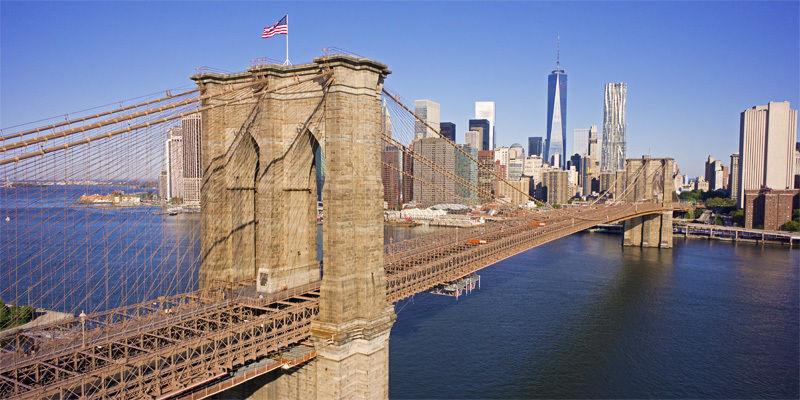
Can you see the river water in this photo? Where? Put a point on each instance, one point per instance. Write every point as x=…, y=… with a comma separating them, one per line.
x=583, y=317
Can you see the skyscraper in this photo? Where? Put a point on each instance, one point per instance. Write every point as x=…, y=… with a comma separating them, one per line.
x=580, y=142
x=448, y=131
x=767, y=137
x=431, y=187
x=556, y=114
x=714, y=174
x=192, y=159
x=483, y=124
x=535, y=146
x=474, y=138
x=174, y=163
x=429, y=112
x=485, y=110
x=614, y=151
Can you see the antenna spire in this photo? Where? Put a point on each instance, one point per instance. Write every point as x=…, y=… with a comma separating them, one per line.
x=558, y=53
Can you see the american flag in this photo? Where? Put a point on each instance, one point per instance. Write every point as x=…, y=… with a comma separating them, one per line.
x=281, y=28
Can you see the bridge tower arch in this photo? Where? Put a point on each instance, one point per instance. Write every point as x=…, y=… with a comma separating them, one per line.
x=268, y=142
x=648, y=180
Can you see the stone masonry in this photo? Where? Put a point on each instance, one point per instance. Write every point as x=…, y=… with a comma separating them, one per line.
x=259, y=209
x=654, y=184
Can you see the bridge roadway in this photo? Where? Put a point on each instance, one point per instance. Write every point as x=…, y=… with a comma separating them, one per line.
x=166, y=348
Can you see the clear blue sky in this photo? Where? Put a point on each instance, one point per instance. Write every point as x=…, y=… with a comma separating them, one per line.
x=691, y=67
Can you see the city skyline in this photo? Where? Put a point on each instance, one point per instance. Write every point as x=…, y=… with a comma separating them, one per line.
x=667, y=97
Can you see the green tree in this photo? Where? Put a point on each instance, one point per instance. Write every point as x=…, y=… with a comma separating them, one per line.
x=796, y=215
x=737, y=216
x=792, y=226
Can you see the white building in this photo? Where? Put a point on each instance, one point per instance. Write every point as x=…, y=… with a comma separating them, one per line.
x=428, y=111
x=474, y=139
x=614, y=148
x=485, y=110
x=767, y=136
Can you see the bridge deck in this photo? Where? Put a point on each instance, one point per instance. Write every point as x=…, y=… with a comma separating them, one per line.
x=154, y=350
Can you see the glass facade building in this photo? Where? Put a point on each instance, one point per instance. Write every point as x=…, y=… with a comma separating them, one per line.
x=535, y=146
x=484, y=125
x=448, y=131
x=556, y=116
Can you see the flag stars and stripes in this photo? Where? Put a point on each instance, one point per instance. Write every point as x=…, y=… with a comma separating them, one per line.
x=280, y=28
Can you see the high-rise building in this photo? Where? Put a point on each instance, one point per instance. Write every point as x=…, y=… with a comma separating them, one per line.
x=390, y=176
x=408, y=173
x=162, y=185
x=174, y=163
x=467, y=170
x=714, y=174
x=556, y=114
x=485, y=110
x=532, y=163
x=591, y=147
x=733, y=184
x=557, y=184
x=501, y=155
x=474, y=138
x=483, y=124
x=535, y=146
x=448, y=131
x=614, y=150
x=516, y=151
x=428, y=111
x=430, y=186
x=580, y=142
x=192, y=159
x=767, y=135
x=486, y=175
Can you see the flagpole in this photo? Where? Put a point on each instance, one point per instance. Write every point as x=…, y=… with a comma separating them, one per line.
x=287, y=41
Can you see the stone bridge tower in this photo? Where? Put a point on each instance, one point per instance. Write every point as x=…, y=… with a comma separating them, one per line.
x=648, y=180
x=259, y=209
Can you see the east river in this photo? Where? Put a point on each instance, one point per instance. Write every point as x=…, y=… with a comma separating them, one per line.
x=584, y=317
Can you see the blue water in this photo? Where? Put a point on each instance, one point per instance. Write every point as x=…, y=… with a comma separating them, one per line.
x=583, y=317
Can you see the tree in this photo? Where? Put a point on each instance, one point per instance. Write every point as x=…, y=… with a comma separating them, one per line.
x=737, y=217
x=792, y=226
x=796, y=215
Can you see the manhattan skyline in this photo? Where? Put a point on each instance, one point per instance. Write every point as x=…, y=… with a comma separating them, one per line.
x=691, y=68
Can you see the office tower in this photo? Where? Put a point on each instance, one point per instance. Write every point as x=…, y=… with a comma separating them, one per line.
x=714, y=174
x=192, y=159
x=483, y=124
x=474, y=139
x=575, y=162
x=501, y=155
x=163, y=192
x=555, y=161
x=532, y=163
x=515, y=169
x=535, y=146
x=428, y=111
x=580, y=142
x=733, y=184
x=486, y=175
x=591, y=147
x=556, y=183
x=614, y=151
x=390, y=176
x=515, y=191
x=485, y=110
x=174, y=163
x=467, y=170
x=516, y=151
x=448, y=131
x=556, y=114
x=427, y=181
x=767, y=135
x=408, y=173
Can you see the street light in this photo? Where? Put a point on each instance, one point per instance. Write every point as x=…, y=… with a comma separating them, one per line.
x=83, y=328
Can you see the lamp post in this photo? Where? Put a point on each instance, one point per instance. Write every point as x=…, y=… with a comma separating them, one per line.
x=83, y=328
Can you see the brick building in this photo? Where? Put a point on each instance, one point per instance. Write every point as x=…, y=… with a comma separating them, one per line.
x=769, y=208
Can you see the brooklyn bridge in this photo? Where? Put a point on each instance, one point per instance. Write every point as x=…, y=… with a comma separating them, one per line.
x=148, y=315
